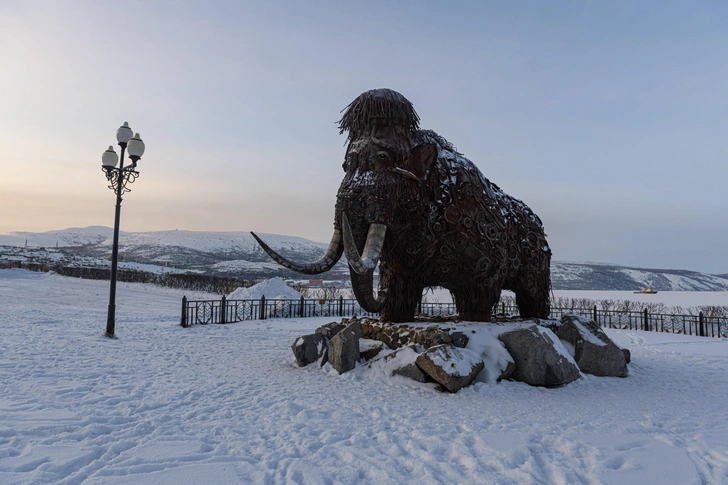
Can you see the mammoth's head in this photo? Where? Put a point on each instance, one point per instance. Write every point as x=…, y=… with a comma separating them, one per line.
x=384, y=163
x=384, y=177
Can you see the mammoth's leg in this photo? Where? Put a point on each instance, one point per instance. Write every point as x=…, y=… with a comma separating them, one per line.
x=532, y=295
x=403, y=296
x=475, y=302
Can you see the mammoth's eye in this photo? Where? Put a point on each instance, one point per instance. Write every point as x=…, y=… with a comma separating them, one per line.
x=382, y=156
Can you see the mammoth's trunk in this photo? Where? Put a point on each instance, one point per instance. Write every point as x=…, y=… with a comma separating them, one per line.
x=327, y=261
x=361, y=267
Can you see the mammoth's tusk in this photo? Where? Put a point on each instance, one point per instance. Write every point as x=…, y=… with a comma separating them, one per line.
x=367, y=261
x=363, y=286
x=404, y=172
x=327, y=261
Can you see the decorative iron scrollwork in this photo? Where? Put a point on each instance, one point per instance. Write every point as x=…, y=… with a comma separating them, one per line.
x=127, y=175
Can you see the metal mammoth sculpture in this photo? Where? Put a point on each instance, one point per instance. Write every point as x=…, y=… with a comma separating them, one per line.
x=410, y=202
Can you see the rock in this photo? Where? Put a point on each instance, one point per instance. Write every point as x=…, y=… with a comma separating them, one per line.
x=627, y=355
x=451, y=366
x=540, y=357
x=498, y=362
x=308, y=349
x=402, y=363
x=344, y=348
x=507, y=373
x=368, y=349
x=331, y=329
x=459, y=339
x=411, y=371
x=594, y=351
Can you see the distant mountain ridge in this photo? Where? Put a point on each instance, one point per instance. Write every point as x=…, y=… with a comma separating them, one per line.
x=237, y=254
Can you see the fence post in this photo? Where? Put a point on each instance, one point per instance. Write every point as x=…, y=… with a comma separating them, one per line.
x=222, y=310
x=702, y=328
x=595, y=315
x=300, y=311
x=503, y=308
x=645, y=321
x=183, y=318
x=341, y=305
x=419, y=306
x=262, y=307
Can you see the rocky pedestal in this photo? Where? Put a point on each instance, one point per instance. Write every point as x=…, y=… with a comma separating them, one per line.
x=538, y=352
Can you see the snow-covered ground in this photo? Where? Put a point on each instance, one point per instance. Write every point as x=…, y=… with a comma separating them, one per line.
x=226, y=404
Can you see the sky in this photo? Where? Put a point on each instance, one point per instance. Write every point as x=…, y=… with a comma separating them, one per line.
x=609, y=119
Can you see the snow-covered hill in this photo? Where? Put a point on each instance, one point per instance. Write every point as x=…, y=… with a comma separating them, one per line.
x=596, y=276
x=236, y=254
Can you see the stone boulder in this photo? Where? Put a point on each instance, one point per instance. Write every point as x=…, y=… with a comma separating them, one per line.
x=368, y=349
x=451, y=366
x=331, y=329
x=541, y=359
x=594, y=351
x=402, y=362
x=627, y=355
x=308, y=349
x=344, y=348
x=459, y=339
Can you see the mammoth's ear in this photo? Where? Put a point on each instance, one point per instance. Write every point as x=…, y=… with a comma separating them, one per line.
x=422, y=157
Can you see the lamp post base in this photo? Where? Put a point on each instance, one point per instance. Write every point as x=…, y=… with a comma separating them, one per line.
x=111, y=316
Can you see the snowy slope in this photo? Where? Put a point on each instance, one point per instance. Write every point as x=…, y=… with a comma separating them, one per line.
x=74, y=236
x=234, y=254
x=237, y=241
x=226, y=404
x=596, y=276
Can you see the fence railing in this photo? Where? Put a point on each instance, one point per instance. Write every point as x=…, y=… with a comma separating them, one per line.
x=231, y=311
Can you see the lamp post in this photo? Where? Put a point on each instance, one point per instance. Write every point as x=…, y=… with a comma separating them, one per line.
x=119, y=177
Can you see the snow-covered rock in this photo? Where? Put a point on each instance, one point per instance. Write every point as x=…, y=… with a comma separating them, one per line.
x=403, y=362
x=540, y=357
x=498, y=362
x=331, y=329
x=594, y=352
x=308, y=348
x=451, y=366
x=368, y=349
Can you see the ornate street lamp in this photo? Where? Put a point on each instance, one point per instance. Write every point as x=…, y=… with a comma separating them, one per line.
x=119, y=177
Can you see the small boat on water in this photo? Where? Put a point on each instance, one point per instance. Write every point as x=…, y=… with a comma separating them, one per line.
x=647, y=291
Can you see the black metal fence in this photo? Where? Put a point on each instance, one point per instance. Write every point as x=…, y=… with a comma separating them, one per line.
x=231, y=311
